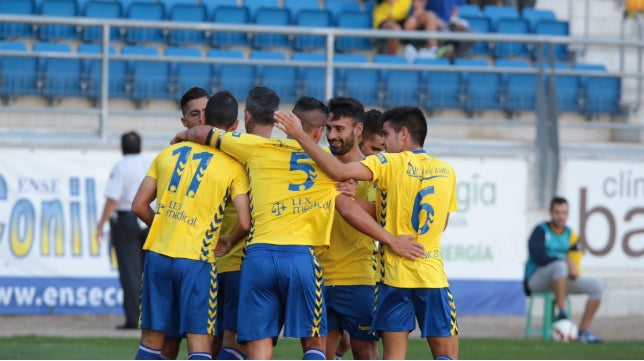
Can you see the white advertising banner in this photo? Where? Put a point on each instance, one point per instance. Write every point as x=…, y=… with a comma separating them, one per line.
x=486, y=237
x=607, y=210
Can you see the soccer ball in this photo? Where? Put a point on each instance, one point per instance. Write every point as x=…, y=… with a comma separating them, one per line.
x=564, y=331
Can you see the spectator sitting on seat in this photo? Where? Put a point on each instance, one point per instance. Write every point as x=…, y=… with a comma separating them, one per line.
x=391, y=15
x=446, y=14
x=553, y=265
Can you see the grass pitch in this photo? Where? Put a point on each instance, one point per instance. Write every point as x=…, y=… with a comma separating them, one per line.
x=58, y=348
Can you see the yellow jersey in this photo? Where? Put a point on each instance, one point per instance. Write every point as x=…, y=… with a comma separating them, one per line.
x=193, y=184
x=416, y=193
x=396, y=11
x=232, y=260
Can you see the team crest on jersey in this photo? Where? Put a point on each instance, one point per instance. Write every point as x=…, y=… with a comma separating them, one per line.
x=278, y=208
x=236, y=134
x=381, y=158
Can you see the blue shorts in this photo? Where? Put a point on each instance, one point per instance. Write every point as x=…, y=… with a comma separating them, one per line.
x=399, y=308
x=281, y=286
x=178, y=286
x=228, y=301
x=343, y=313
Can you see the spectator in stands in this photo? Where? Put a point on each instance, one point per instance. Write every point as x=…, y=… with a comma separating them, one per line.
x=391, y=15
x=371, y=140
x=446, y=13
x=126, y=234
x=553, y=265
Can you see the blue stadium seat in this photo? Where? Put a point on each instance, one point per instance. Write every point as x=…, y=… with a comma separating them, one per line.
x=145, y=11
x=598, y=94
x=118, y=85
x=282, y=79
x=398, y=86
x=18, y=74
x=101, y=9
x=533, y=16
x=185, y=75
x=469, y=10
x=229, y=15
x=555, y=28
x=169, y=4
x=482, y=89
x=519, y=90
x=236, y=78
x=337, y=7
x=441, y=88
x=480, y=25
x=567, y=90
x=61, y=77
x=58, y=8
x=504, y=49
x=187, y=13
x=271, y=17
x=295, y=6
x=212, y=4
x=496, y=12
x=17, y=7
x=353, y=20
x=150, y=78
x=311, y=18
x=361, y=84
x=310, y=80
x=254, y=5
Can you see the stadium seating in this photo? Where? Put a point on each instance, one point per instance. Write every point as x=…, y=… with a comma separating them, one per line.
x=101, y=9
x=271, y=17
x=187, y=13
x=61, y=77
x=481, y=89
x=534, y=16
x=362, y=84
x=311, y=18
x=185, y=75
x=479, y=24
x=566, y=89
x=519, y=91
x=441, y=88
x=254, y=5
x=353, y=20
x=554, y=28
x=18, y=74
x=150, y=79
x=236, y=78
x=282, y=79
x=398, y=86
x=145, y=11
x=16, y=7
x=471, y=10
x=338, y=7
x=504, y=49
x=295, y=6
x=58, y=8
x=229, y=15
x=310, y=80
x=119, y=86
x=598, y=95
x=496, y=13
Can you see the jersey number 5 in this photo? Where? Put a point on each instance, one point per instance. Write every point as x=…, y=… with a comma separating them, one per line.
x=308, y=169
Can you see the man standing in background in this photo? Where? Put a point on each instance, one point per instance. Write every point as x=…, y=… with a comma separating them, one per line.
x=126, y=235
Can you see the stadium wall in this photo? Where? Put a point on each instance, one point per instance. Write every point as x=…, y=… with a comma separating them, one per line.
x=52, y=263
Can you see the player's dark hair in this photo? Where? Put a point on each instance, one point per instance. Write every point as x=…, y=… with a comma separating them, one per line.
x=192, y=94
x=409, y=117
x=372, y=123
x=131, y=143
x=346, y=107
x=305, y=108
x=221, y=110
x=261, y=103
x=556, y=201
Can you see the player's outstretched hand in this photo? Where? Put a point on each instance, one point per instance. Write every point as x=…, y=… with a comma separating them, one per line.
x=182, y=136
x=406, y=246
x=348, y=188
x=289, y=124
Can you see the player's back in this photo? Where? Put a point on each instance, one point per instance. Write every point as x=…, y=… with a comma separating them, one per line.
x=292, y=200
x=193, y=183
x=415, y=194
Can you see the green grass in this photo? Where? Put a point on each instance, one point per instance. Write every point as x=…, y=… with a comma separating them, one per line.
x=57, y=348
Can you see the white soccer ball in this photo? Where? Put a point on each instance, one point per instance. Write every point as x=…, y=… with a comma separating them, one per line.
x=564, y=331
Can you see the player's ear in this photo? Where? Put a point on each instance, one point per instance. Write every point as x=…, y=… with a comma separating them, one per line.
x=234, y=126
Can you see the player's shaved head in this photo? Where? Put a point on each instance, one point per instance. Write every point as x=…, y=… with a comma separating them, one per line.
x=312, y=112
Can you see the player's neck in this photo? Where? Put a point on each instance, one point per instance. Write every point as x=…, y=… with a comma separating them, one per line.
x=262, y=130
x=353, y=155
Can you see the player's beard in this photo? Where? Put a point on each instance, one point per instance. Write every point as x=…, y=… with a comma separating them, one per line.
x=344, y=147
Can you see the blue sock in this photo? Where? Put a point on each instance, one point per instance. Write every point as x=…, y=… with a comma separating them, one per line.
x=562, y=315
x=147, y=353
x=229, y=353
x=314, y=354
x=199, y=356
x=338, y=356
x=443, y=358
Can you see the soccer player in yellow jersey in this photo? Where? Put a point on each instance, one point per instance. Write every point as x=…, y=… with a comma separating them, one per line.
x=416, y=193
x=260, y=105
x=291, y=205
x=191, y=184
x=349, y=264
